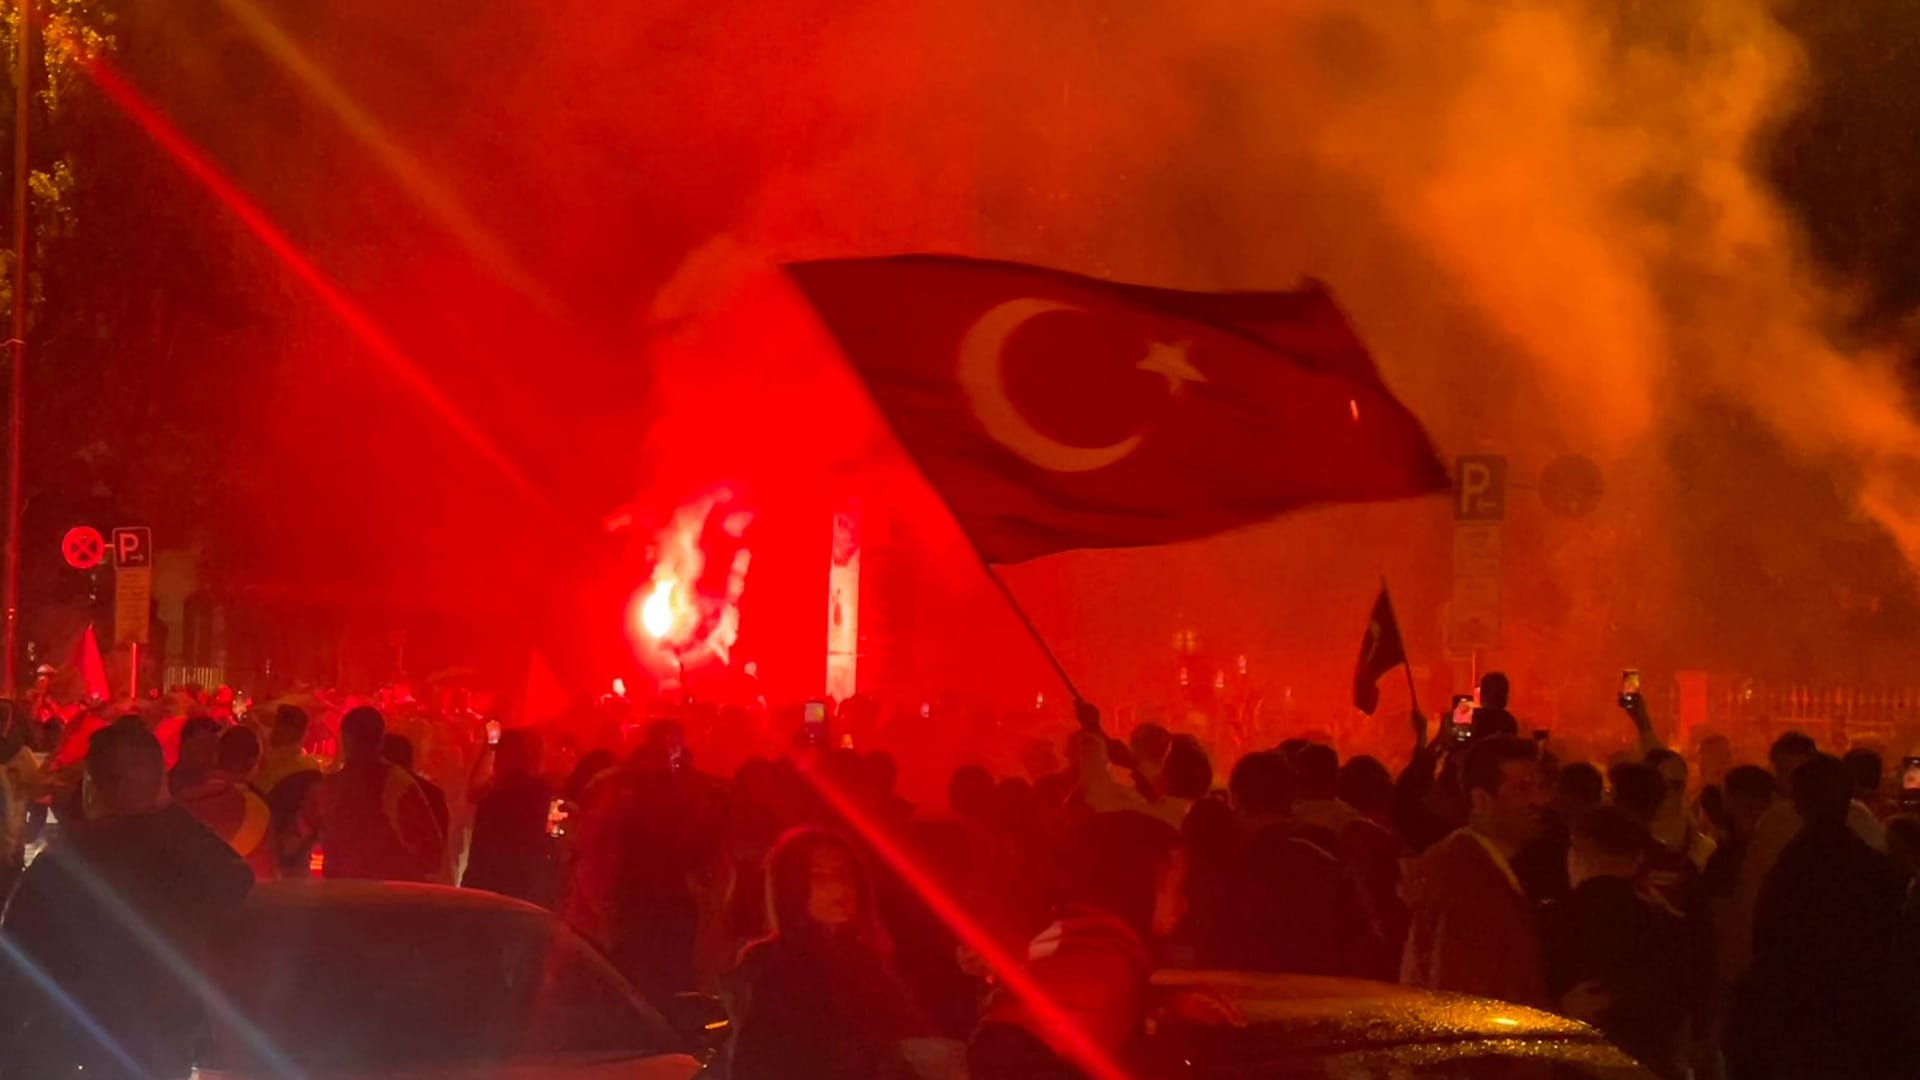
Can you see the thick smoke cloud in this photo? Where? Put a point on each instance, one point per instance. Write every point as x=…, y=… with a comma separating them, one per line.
x=1549, y=217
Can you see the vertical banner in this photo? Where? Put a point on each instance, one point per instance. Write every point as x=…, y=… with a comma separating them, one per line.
x=843, y=605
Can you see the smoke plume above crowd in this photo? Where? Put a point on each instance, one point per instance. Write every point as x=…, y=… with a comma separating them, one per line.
x=1550, y=219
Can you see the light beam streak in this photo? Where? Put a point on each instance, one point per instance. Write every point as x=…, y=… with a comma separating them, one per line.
x=436, y=197
x=1065, y=1037
x=38, y=976
x=343, y=307
x=219, y=1007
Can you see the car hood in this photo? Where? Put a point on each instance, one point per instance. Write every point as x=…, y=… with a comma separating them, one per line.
x=662, y=1067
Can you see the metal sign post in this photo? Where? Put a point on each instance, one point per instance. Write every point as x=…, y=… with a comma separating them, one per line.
x=1479, y=506
x=132, y=595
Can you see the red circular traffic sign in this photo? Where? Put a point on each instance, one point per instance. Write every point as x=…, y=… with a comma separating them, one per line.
x=83, y=547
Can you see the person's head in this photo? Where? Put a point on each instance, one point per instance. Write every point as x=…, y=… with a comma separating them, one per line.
x=667, y=734
x=239, y=750
x=1038, y=758
x=1607, y=842
x=362, y=732
x=398, y=749
x=517, y=753
x=1367, y=786
x=125, y=773
x=1577, y=788
x=1867, y=768
x=1638, y=789
x=845, y=770
x=1211, y=833
x=590, y=765
x=1711, y=807
x=1823, y=791
x=199, y=742
x=817, y=886
x=1747, y=792
x=1716, y=757
x=1188, y=773
x=1504, y=790
x=883, y=773
x=289, y=725
x=1261, y=786
x=1015, y=806
x=1673, y=774
x=1495, y=690
x=1903, y=846
x=1788, y=753
x=1316, y=772
x=1150, y=743
x=1128, y=865
x=970, y=792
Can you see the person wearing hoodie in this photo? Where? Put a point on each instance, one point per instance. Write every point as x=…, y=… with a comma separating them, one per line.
x=1473, y=928
x=1125, y=889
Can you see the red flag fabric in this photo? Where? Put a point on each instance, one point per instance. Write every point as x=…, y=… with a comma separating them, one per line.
x=86, y=659
x=1053, y=411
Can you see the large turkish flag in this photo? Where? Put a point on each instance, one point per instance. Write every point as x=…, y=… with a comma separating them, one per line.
x=1053, y=411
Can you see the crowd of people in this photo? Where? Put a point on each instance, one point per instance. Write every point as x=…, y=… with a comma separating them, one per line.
x=1711, y=919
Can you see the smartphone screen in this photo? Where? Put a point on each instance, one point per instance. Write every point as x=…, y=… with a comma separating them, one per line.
x=1630, y=688
x=813, y=722
x=1910, y=780
x=557, y=818
x=1463, y=717
x=493, y=733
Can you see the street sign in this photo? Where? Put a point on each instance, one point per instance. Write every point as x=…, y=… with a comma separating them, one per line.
x=1473, y=613
x=1476, y=551
x=1571, y=486
x=1473, y=618
x=1480, y=488
x=83, y=547
x=132, y=546
x=132, y=585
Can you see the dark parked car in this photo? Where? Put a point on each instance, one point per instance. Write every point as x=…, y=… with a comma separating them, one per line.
x=359, y=979
x=1307, y=1028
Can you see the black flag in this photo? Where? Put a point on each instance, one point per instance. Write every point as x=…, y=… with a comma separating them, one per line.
x=1380, y=652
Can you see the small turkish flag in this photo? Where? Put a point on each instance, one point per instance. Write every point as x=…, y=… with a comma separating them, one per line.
x=1381, y=650
x=1053, y=411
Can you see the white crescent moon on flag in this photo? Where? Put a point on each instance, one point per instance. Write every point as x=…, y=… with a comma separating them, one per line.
x=982, y=377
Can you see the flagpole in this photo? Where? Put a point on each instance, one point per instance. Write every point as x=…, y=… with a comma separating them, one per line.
x=1033, y=631
x=1407, y=666
x=1406, y=662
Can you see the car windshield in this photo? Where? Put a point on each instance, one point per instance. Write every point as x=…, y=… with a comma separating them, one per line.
x=377, y=986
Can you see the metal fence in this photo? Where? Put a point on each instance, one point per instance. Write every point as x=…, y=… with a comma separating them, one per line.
x=1837, y=715
x=184, y=674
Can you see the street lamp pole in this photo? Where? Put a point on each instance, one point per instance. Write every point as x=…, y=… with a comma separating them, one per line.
x=17, y=344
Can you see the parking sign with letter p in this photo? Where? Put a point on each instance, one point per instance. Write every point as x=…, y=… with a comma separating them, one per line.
x=1480, y=488
x=133, y=546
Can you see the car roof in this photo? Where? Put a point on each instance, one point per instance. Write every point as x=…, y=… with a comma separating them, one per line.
x=1330, y=1012
x=360, y=895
